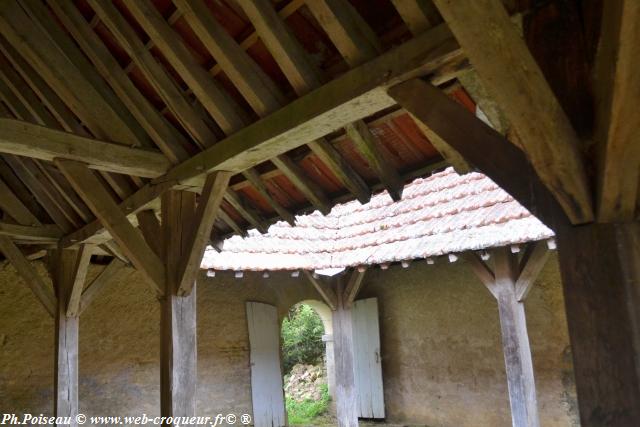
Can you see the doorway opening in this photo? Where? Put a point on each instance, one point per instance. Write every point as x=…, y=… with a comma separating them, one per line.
x=307, y=360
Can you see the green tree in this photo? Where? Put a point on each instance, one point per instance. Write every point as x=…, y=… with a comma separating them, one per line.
x=302, y=331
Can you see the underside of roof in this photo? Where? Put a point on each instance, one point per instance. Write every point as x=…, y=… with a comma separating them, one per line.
x=444, y=214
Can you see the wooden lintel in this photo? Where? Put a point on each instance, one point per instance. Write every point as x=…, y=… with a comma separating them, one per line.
x=326, y=292
x=200, y=231
x=109, y=213
x=48, y=233
x=28, y=273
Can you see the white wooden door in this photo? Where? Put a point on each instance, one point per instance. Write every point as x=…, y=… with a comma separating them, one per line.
x=368, y=367
x=267, y=391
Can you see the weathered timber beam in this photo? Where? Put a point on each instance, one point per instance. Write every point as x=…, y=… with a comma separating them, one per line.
x=105, y=278
x=507, y=165
x=482, y=271
x=512, y=76
x=376, y=156
x=617, y=90
x=28, y=273
x=532, y=263
x=78, y=274
x=108, y=212
x=419, y=15
x=206, y=214
x=39, y=142
x=12, y=205
x=326, y=292
x=352, y=96
x=356, y=280
x=48, y=233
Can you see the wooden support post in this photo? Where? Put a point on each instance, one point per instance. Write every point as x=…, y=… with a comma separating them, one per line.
x=509, y=283
x=600, y=266
x=346, y=393
x=515, y=342
x=63, y=263
x=178, y=313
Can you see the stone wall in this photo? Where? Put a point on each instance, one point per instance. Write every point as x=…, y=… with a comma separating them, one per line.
x=441, y=351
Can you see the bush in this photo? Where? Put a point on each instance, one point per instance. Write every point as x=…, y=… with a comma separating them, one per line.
x=305, y=413
x=302, y=331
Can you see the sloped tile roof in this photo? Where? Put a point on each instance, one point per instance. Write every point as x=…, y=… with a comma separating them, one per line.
x=442, y=214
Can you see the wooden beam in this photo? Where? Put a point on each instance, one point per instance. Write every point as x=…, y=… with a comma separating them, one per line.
x=151, y=230
x=48, y=233
x=229, y=116
x=66, y=338
x=499, y=54
x=374, y=154
x=246, y=211
x=617, y=88
x=252, y=82
x=482, y=271
x=326, y=292
x=287, y=52
x=163, y=134
x=51, y=52
x=206, y=214
x=254, y=178
x=515, y=342
x=28, y=274
x=13, y=206
x=107, y=211
x=507, y=166
x=352, y=96
x=79, y=276
x=178, y=338
x=157, y=76
x=419, y=15
x=312, y=191
x=351, y=34
x=342, y=170
x=105, y=278
x=356, y=279
x=447, y=152
x=600, y=267
x=29, y=140
x=532, y=263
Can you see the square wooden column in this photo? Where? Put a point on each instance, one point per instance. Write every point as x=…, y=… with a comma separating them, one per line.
x=346, y=397
x=178, y=353
x=515, y=341
x=62, y=263
x=600, y=266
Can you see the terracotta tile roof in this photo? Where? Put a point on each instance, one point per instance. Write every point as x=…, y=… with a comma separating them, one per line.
x=442, y=214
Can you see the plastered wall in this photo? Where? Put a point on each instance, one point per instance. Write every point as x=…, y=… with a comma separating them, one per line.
x=440, y=337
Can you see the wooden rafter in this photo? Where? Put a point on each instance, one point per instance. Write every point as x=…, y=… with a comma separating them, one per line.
x=28, y=273
x=377, y=157
x=12, y=205
x=617, y=89
x=356, y=280
x=163, y=134
x=500, y=55
x=531, y=264
x=419, y=15
x=352, y=96
x=108, y=212
x=48, y=233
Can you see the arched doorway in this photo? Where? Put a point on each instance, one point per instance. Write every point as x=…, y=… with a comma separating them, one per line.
x=308, y=363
